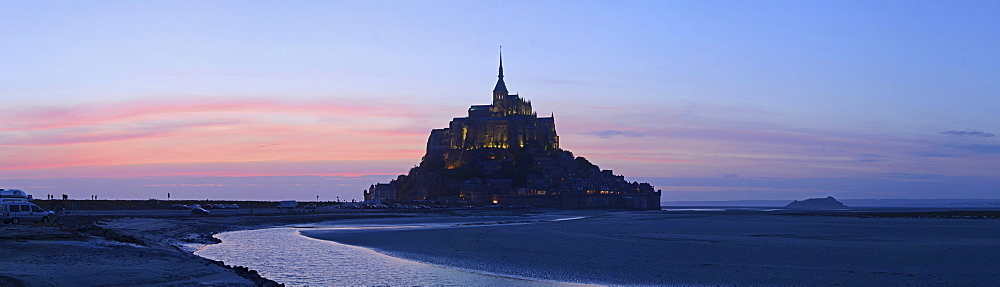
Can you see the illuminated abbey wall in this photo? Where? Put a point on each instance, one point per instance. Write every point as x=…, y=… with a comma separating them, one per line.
x=508, y=122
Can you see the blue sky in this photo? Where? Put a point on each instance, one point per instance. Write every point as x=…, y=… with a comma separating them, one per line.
x=707, y=100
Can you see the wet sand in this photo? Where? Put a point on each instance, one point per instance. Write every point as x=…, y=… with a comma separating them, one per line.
x=47, y=256
x=709, y=248
x=130, y=251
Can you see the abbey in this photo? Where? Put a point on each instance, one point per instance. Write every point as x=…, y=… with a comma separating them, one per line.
x=504, y=153
x=508, y=122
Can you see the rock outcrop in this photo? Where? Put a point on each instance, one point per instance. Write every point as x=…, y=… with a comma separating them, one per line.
x=522, y=176
x=817, y=203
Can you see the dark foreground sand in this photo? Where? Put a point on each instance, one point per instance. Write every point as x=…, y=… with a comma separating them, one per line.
x=130, y=251
x=666, y=248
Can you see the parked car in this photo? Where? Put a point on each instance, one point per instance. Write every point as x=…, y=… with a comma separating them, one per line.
x=310, y=207
x=15, y=212
x=199, y=211
x=178, y=206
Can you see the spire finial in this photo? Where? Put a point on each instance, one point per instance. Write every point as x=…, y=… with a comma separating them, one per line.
x=501, y=88
x=501, y=61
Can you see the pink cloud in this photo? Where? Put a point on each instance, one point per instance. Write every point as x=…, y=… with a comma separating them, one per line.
x=336, y=168
x=190, y=131
x=210, y=137
x=93, y=134
x=47, y=118
x=656, y=140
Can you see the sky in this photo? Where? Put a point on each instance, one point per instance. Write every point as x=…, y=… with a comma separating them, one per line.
x=706, y=100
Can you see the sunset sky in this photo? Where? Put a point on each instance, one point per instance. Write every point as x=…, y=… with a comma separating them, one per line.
x=706, y=100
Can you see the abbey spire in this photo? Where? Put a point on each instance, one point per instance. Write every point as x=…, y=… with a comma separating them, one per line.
x=501, y=88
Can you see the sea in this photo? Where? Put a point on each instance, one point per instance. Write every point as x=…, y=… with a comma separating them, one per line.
x=284, y=255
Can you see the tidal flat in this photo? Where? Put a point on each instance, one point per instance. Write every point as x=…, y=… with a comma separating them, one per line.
x=680, y=247
x=708, y=248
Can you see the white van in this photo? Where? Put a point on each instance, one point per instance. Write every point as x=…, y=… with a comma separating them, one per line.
x=7, y=195
x=5, y=200
x=15, y=212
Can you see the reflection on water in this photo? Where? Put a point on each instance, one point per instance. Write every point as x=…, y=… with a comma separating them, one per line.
x=693, y=209
x=725, y=209
x=285, y=256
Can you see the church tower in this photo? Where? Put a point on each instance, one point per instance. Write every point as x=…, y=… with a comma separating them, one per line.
x=500, y=91
x=508, y=123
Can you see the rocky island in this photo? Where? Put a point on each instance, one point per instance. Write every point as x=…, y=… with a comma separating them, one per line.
x=817, y=203
x=504, y=153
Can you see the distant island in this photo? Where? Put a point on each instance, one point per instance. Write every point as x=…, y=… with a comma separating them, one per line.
x=816, y=203
x=505, y=154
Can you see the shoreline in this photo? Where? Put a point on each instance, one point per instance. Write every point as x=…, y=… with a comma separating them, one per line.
x=126, y=250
